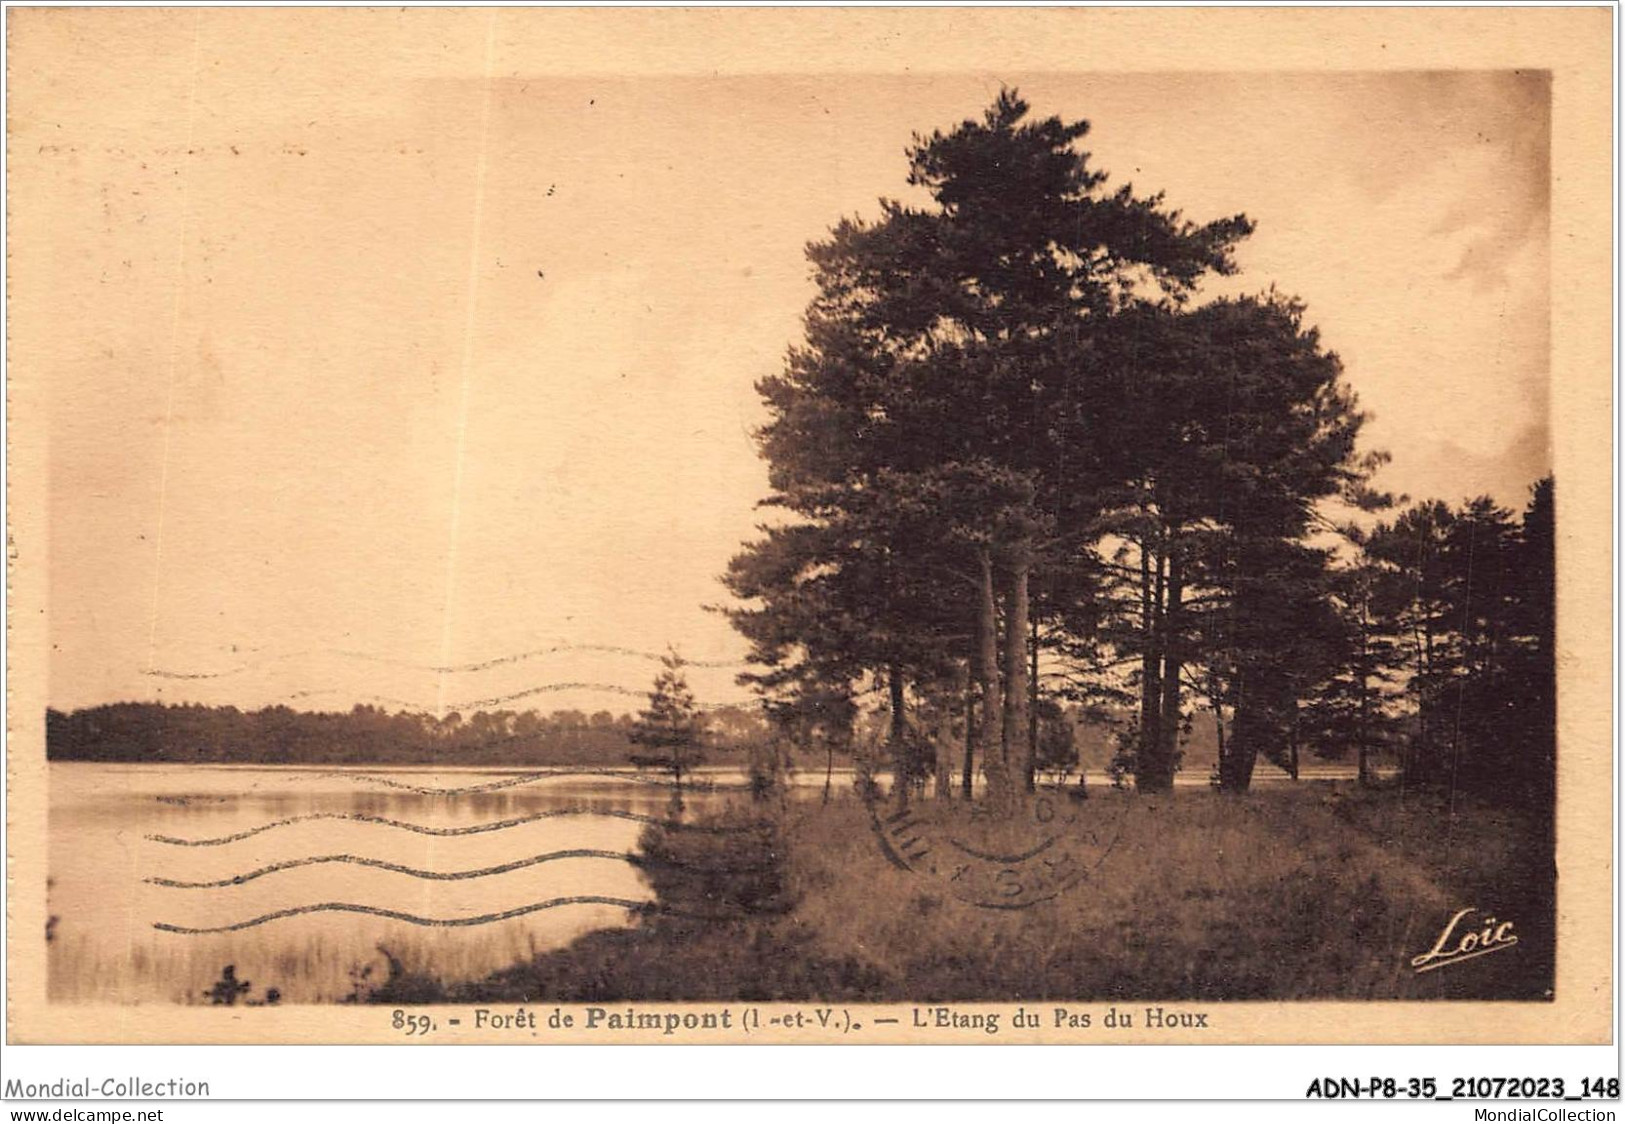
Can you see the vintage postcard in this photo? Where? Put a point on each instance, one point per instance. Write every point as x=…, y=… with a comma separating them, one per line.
x=809, y=526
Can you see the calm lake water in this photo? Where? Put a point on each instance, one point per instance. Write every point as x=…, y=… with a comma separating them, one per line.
x=133, y=848
x=162, y=875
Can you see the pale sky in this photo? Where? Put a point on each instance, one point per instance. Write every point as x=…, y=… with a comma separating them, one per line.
x=352, y=357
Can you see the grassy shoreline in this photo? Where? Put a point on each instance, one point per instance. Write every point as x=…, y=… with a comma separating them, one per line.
x=1321, y=892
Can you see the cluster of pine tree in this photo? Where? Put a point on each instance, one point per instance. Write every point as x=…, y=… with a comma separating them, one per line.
x=1442, y=648
x=1018, y=462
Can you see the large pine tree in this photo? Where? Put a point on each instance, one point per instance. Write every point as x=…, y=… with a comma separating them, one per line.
x=939, y=403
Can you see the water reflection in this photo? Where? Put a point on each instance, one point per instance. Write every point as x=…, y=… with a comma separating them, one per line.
x=112, y=881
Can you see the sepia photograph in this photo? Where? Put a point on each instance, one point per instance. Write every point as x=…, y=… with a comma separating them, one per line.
x=610, y=552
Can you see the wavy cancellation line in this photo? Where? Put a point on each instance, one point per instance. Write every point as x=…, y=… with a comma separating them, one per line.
x=442, y=832
x=525, y=779
x=437, y=669
x=479, y=704
x=412, y=918
x=496, y=700
x=437, y=875
x=398, y=868
x=536, y=653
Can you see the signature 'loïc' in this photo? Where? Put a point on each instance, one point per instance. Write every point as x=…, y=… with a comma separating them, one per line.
x=1473, y=940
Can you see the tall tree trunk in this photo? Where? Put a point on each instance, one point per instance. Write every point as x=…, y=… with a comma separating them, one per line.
x=829, y=767
x=968, y=780
x=1215, y=698
x=1245, y=738
x=1032, y=707
x=1150, y=659
x=942, y=753
x=901, y=778
x=989, y=730
x=1017, y=706
x=1429, y=694
x=1174, y=663
x=1362, y=755
x=1292, y=741
x=1362, y=741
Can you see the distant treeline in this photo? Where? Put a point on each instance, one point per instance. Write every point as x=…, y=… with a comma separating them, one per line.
x=280, y=735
